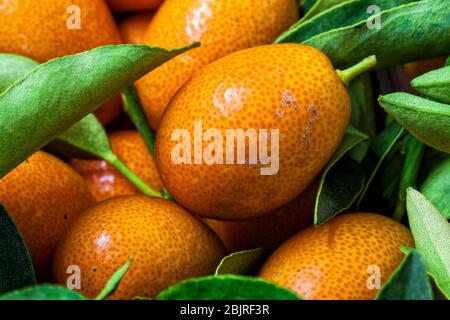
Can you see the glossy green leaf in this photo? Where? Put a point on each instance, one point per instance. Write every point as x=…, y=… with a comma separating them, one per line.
x=344, y=14
x=359, y=151
x=133, y=108
x=432, y=159
x=12, y=68
x=436, y=188
x=427, y=120
x=336, y=192
x=306, y=5
x=396, y=41
x=43, y=292
x=408, y=282
x=389, y=179
x=86, y=139
x=340, y=189
x=228, y=287
x=406, y=250
x=16, y=269
x=431, y=233
x=434, y=84
x=380, y=146
x=363, y=112
x=114, y=281
x=414, y=151
x=320, y=6
x=59, y=93
x=242, y=262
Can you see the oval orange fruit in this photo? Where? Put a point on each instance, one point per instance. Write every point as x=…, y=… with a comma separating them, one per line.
x=133, y=5
x=47, y=29
x=167, y=244
x=221, y=26
x=349, y=257
x=286, y=101
x=133, y=28
x=106, y=182
x=43, y=195
x=270, y=230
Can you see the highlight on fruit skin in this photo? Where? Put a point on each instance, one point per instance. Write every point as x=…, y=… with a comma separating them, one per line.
x=288, y=90
x=44, y=196
x=106, y=182
x=222, y=27
x=167, y=243
x=349, y=257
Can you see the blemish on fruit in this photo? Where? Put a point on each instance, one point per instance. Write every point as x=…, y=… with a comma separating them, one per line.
x=306, y=138
x=288, y=99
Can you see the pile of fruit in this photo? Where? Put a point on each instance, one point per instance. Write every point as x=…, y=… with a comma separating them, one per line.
x=224, y=149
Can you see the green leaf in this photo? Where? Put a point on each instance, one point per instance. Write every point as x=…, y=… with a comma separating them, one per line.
x=86, y=139
x=336, y=193
x=414, y=151
x=43, y=292
x=438, y=295
x=389, y=179
x=13, y=67
x=447, y=62
x=363, y=112
x=431, y=233
x=352, y=138
x=89, y=137
x=242, y=262
x=114, y=281
x=436, y=188
x=320, y=6
x=229, y=287
x=434, y=84
x=306, y=5
x=344, y=14
x=406, y=250
x=59, y=93
x=132, y=107
x=427, y=120
x=340, y=189
x=396, y=42
x=380, y=147
x=432, y=159
x=16, y=269
x=408, y=282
